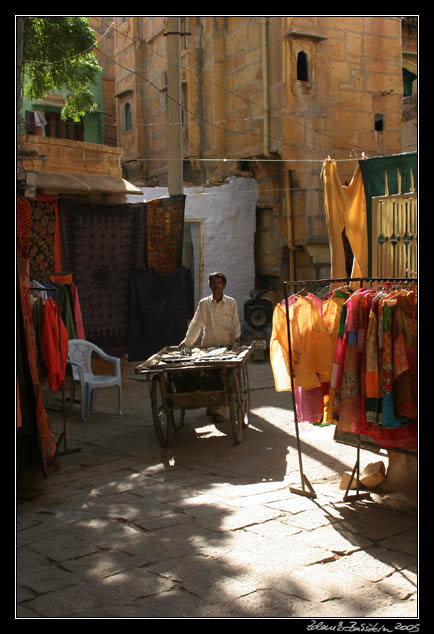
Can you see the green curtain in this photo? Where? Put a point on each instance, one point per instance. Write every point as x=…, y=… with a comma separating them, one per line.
x=374, y=180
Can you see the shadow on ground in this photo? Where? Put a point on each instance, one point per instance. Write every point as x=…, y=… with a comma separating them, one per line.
x=203, y=529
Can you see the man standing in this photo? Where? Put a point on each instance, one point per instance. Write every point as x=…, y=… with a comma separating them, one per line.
x=217, y=318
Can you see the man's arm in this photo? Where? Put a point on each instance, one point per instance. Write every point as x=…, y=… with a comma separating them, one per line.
x=194, y=328
x=236, y=326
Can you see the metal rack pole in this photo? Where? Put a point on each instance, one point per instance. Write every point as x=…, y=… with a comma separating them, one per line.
x=357, y=495
x=304, y=481
x=62, y=436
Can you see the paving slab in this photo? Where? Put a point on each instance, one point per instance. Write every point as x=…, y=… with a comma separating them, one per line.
x=124, y=528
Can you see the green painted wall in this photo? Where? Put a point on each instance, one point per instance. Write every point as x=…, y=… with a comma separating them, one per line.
x=93, y=123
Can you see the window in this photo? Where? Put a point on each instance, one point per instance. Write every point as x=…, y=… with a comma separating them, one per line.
x=408, y=79
x=302, y=66
x=57, y=127
x=127, y=117
x=379, y=122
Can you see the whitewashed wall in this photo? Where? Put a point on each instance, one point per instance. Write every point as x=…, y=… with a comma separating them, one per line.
x=228, y=212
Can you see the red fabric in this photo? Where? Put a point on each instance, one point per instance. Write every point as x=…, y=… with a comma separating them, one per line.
x=78, y=318
x=54, y=361
x=66, y=279
x=48, y=444
x=404, y=437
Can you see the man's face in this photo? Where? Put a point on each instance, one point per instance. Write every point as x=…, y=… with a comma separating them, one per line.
x=217, y=287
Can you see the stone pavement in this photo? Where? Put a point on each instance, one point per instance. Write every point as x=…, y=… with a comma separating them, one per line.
x=206, y=529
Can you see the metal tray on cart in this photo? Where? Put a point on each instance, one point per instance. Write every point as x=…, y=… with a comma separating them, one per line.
x=181, y=379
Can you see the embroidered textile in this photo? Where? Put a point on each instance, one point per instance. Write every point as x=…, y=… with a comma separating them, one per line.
x=376, y=391
x=104, y=243
x=44, y=239
x=165, y=231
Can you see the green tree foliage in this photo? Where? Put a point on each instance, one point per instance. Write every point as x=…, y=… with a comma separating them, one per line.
x=59, y=54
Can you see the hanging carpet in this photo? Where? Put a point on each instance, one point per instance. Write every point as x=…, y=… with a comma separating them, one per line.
x=44, y=239
x=158, y=311
x=101, y=244
x=164, y=232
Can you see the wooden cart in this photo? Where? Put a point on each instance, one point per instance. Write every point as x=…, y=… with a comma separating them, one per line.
x=205, y=378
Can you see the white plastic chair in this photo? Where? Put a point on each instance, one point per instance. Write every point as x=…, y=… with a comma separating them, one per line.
x=79, y=359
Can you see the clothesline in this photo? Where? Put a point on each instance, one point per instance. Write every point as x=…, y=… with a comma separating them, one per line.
x=257, y=160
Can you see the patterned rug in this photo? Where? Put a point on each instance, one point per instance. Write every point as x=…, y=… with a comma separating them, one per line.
x=165, y=230
x=103, y=244
x=44, y=248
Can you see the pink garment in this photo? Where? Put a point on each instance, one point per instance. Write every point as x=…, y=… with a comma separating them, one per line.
x=317, y=301
x=313, y=405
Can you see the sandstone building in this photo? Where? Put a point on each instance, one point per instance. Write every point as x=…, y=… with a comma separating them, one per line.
x=273, y=97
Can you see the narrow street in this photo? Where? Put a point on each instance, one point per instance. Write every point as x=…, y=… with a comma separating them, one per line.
x=206, y=529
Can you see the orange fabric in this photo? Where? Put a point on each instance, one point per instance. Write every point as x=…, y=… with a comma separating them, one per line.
x=61, y=278
x=312, y=346
x=331, y=314
x=346, y=209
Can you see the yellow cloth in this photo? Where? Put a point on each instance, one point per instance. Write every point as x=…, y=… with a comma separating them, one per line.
x=331, y=315
x=346, y=209
x=312, y=347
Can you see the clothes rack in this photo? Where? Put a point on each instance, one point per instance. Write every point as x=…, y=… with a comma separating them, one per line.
x=63, y=435
x=310, y=492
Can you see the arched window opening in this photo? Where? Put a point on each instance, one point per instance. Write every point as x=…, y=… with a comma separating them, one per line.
x=302, y=66
x=127, y=117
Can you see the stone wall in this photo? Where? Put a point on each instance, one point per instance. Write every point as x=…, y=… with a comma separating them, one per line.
x=77, y=157
x=247, y=109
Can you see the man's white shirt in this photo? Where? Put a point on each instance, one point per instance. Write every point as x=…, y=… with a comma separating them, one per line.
x=218, y=321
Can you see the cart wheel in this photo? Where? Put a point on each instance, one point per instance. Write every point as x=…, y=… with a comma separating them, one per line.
x=178, y=418
x=178, y=413
x=163, y=418
x=244, y=406
x=236, y=419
